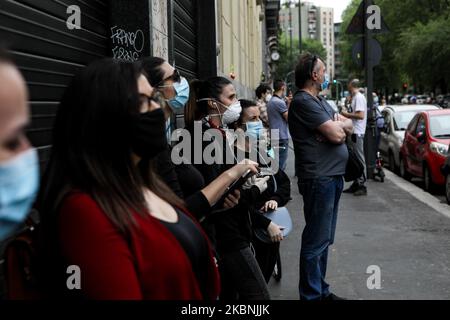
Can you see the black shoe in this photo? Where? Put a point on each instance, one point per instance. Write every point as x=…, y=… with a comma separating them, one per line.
x=332, y=297
x=352, y=188
x=361, y=191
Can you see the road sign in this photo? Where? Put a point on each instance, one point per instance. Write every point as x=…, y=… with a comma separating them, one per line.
x=375, y=22
x=375, y=52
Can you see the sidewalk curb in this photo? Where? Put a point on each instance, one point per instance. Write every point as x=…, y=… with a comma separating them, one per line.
x=419, y=194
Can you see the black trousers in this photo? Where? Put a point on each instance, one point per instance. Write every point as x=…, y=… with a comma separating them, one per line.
x=266, y=255
x=241, y=277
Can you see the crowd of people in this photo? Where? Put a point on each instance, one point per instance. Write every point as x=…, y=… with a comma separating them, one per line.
x=140, y=226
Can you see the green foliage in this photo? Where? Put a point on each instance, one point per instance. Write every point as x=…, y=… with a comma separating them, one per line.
x=288, y=60
x=416, y=49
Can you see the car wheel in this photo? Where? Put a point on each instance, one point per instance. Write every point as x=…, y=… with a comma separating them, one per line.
x=447, y=188
x=392, y=162
x=403, y=172
x=427, y=180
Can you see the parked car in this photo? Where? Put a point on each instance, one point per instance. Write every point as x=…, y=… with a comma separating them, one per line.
x=421, y=99
x=446, y=173
x=425, y=147
x=396, y=119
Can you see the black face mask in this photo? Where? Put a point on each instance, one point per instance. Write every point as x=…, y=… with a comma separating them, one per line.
x=149, y=134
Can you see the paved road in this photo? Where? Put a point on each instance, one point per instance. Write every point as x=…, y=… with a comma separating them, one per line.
x=392, y=228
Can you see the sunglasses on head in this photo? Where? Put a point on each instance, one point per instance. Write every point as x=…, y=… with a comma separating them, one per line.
x=313, y=63
x=175, y=77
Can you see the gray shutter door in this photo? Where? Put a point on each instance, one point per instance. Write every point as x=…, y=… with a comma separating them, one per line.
x=185, y=37
x=49, y=54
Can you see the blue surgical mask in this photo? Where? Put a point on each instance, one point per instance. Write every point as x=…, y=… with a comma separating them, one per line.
x=254, y=129
x=326, y=82
x=19, y=184
x=182, y=95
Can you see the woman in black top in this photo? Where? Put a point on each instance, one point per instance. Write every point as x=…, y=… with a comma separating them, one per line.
x=213, y=106
x=277, y=194
x=184, y=179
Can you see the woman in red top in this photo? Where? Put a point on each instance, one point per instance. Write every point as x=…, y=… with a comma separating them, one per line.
x=105, y=210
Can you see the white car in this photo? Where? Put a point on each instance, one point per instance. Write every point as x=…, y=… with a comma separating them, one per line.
x=396, y=120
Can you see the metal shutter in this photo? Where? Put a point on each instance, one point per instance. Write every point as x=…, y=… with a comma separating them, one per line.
x=185, y=37
x=49, y=54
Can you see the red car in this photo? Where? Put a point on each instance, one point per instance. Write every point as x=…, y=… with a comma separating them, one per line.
x=425, y=147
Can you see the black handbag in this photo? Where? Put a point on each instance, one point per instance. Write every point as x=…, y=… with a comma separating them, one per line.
x=354, y=168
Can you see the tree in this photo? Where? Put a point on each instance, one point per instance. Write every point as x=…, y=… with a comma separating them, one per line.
x=289, y=59
x=414, y=50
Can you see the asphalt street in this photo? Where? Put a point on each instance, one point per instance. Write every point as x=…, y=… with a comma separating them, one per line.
x=397, y=228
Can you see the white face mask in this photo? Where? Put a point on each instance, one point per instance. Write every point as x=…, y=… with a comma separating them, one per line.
x=231, y=114
x=268, y=97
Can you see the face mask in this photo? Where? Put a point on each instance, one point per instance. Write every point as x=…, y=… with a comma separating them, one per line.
x=149, y=136
x=182, y=95
x=268, y=97
x=254, y=129
x=19, y=184
x=325, y=83
x=232, y=113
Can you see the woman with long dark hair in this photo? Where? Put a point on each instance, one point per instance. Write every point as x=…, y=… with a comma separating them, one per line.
x=184, y=179
x=103, y=207
x=213, y=107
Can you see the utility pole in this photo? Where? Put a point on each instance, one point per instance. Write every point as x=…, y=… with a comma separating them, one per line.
x=290, y=31
x=299, y=26
x=370, y=136
x=370, y=48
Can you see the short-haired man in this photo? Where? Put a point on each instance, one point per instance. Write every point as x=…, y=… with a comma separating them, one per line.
x=277, y=110
x=359, y=117
x=319, y=135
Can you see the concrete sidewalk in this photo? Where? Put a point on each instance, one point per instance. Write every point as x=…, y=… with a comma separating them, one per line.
x=391, y=228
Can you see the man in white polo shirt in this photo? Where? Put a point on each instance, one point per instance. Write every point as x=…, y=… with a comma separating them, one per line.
x=359, y=116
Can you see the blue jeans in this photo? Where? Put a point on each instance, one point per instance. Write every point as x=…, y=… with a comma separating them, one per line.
x=321, y=201
x=284, y=151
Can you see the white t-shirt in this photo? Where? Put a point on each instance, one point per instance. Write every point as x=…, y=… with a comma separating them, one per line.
x=359, y=103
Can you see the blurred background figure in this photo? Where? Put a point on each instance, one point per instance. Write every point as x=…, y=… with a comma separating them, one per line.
x=19, y=164
x=278, y=111
x=263, y=96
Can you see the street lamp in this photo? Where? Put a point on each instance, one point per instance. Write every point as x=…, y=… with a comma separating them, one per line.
x=290, y=2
